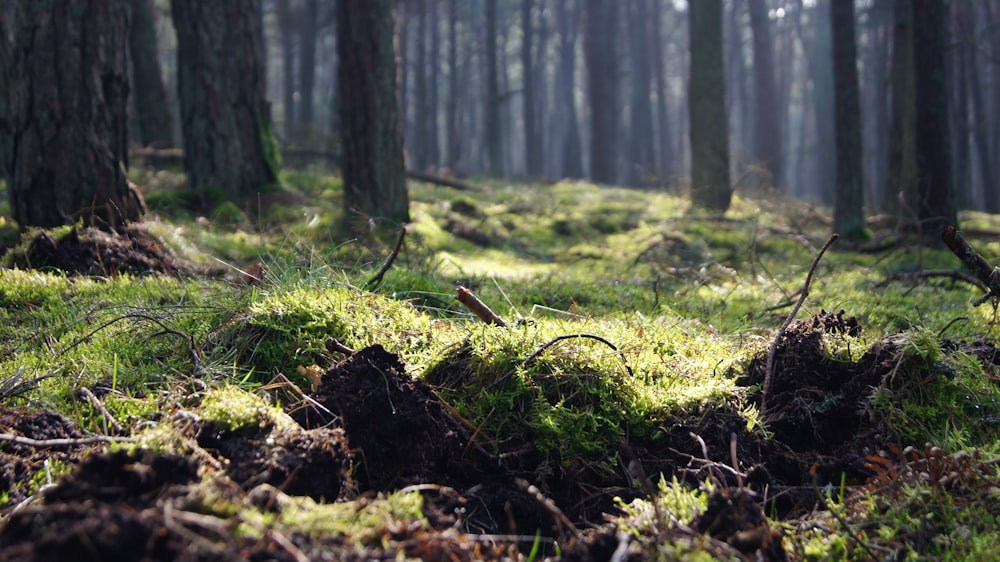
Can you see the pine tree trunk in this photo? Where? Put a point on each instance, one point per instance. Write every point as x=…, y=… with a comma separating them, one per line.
x=567, y=17
x=229, y=145
x=602, y=87
x=68, y=118
x=494, y=133
x=848, y=217
x=767, y=126
x=640, y=157
x=374, y=175
x=710, y=186
x=152, y=111
x=307, y=68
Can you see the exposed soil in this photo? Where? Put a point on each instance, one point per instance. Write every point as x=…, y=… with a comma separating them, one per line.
x=374, y=429
x=93, y=252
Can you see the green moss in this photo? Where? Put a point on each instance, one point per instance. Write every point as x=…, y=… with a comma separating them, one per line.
x=269, y=147
x=234, y=409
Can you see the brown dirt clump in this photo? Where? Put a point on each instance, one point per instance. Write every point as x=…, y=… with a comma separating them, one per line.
x=94, y=252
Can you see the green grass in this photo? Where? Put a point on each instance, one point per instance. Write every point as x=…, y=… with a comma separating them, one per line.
x=687, y=300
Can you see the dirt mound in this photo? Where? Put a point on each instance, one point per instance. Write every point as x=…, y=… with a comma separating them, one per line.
x=18, y=462
x=94, y=252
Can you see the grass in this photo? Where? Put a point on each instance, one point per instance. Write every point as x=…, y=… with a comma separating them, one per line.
x=686, y=300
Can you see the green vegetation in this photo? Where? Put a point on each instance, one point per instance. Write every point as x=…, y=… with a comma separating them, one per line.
x=681, y=305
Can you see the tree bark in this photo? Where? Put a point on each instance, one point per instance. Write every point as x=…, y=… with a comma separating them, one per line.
x=307, y=68
x=567, y=19
x=453, y=116
x=229, y=144
x=67, y=117
x=848, y=215
x=373, y=169
x=767, y=125
x=935, y=198
x=494, y=134
x=152, y=111
x=602, y=87
x=532, y=136
x=710, y=185
x=286, y=25
x=640, y=155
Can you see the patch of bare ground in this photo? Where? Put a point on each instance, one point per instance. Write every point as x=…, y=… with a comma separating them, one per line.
x=373, y=429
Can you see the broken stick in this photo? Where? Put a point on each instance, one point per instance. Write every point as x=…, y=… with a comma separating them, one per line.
x=974, y=262
x=478, y=307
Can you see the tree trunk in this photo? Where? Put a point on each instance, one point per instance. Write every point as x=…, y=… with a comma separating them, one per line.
x=229, y=144
x=640, y=154
x=665, y=150
x=710, y=186
x=68, y=118
x=374, y=173
x=433, y=151
x=532, y=136
x=152, y=111
x=572, y=149
x=902, y=175
x=602, y=87
x=494, y=134
x=848, y=214
x=420, y=145
x=453, y=117
x=767, y=125
x=935, y=198
x=980, y=117
x=307, y=68
x=286, y=27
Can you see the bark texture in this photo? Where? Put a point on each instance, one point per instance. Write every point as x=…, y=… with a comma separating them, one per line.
x=67, y=119
x=152, y=111
x=710, y=185
x=848, y=216
x=229, y=144
x=374, y=174
x=602, y=88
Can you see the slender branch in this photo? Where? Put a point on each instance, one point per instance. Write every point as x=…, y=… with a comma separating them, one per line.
x=47, y=443
x=96, y=403
x=769, y=370
x=929, y=273
x=974, y=262
x=376, y=279
x=531, y=358
x=478, y=307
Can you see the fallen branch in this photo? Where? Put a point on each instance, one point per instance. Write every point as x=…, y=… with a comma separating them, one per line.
x=376, y=279
x=769, y=370
x=531, y=358
x=927, y=274
x=438, y=180
x=974, y=262
x=478, y=307
x=48, y=443
x=116, y=427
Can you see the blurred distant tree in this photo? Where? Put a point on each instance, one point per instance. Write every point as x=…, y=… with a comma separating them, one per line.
x=567, y=22
x=66, y=90
x=229, y=146
x=600, y=38
x=373, y=169
x=494, y=133
x=307, y=68
x=934, y=204
x=902, y=174
x=640, y=146
x=286, y=32
x=710, y=184
x=848, y=215
x=534, y=157
x=767, y=128
x=150, y=100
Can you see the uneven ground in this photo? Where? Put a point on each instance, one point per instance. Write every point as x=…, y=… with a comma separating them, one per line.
x=499, y=444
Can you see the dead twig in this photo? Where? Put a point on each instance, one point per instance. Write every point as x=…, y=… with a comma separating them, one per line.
x=564, y=525
x=333, y=345
x=930, y=273
x=116, y=427
x=769, y=370
x=53, y=443
x=974, y=262
x=478, y=307
x=376, y=279
x=531, y=358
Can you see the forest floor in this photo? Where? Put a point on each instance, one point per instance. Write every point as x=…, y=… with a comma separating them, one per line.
x=622, y=415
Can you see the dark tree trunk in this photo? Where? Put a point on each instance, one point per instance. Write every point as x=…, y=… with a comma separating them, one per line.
x=640, y=156
x=961, y=127
x=710, y=186
x=935, y=203
x=68, y=119
x=602, y=87
x=433, y=151
x=821, y=74
x=307, y=68
x=374, y=173
x=152, y=111
x=420, y=145
x=453, y=117
x=980, y=117
x=901, y=181
x=848, y=214
x=494, y=134
x=665, y=150
x=567, y=19
x=286, y=26
x=532, y=136
x=767, y=124
x=229, y=144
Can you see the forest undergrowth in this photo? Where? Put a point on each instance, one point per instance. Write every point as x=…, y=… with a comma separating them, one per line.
x=656, y=383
